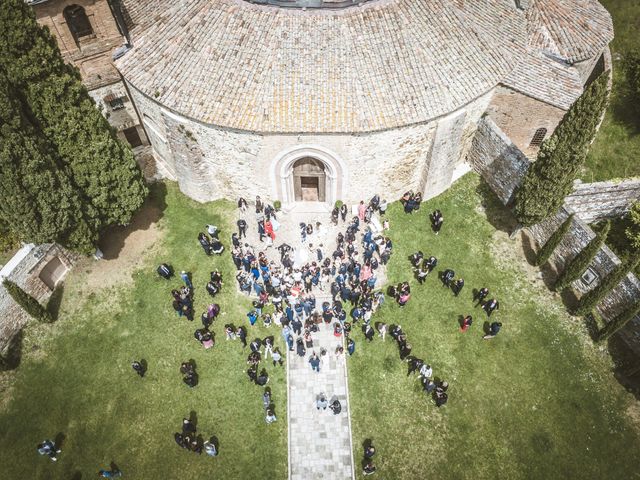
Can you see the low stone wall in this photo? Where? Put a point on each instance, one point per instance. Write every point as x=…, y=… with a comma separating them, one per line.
x=494, y=156
x=578, y=236
x=502, y=165
x=596, y=201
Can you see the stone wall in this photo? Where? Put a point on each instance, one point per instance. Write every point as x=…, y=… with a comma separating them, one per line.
x=92, y=54
x=519, y=116
x=578, y=236
x=596, y=201
x=494, y=156
x=26, y=274
x=211, y=162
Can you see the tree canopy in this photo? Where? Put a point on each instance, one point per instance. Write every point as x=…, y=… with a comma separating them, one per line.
x=65, y=174
x=550, y=178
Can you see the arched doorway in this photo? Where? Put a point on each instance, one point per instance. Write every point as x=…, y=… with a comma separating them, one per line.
x=313, y=163
x=309, y=180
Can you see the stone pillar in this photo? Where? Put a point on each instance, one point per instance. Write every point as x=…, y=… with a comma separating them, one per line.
x=445, y=154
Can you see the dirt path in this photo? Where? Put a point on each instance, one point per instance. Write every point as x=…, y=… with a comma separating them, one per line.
x=124, y=249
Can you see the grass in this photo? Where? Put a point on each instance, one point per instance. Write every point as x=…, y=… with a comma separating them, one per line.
x=75, y=376
x=536, y=402
x=616, y=149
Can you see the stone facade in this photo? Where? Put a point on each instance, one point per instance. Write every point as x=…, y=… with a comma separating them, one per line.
x=122, y=117
x=494, y=156
x=211, y=162
x=519, y=116
x=27, y=272
x=91, y=53
x=596, y=201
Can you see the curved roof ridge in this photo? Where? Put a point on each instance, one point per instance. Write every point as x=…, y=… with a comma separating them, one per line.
x=385, y=64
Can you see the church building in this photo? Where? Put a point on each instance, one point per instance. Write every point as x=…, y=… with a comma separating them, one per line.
x=325, y=100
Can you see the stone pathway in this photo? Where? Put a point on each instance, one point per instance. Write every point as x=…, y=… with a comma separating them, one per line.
x=320, y=445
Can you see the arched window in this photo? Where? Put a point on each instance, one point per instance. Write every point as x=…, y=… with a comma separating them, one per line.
x=77, y=21
x=538, y=137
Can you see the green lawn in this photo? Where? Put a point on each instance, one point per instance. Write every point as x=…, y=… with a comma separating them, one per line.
x=75, y=376
x=616, y=150
x=536, y=402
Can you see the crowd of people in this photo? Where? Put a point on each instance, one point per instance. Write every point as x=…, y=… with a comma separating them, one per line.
x=347, y=275
x=192, y=442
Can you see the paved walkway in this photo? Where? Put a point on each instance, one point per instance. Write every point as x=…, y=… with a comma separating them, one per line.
x=320, y=444
x=319, y=441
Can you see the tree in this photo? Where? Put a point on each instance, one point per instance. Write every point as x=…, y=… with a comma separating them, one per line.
x=593, y=297
x=620, y=321
x=554, y=240
x=27, y=302
x=37, y=200
x=633, y=231
x=550, y=178
x=100, y=169
x=632, y=70
x=576, y=267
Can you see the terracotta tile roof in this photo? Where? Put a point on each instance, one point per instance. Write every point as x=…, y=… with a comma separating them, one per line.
x=571, y=30
x=546, y=79
x=382, y=65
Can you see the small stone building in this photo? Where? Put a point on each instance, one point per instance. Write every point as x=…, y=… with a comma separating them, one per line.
x=37, y=270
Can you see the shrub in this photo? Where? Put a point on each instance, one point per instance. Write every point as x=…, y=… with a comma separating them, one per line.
x=593, y=297
x=620, y=321
x=27, y=302
x=633, y=232
x=277, y=204
x=580, y=262
x=554, y=240
x=339, y=203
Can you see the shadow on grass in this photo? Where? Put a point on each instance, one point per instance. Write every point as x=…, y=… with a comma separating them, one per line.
x=499, y=216
x=112, y=241
x=626, y=365
x=55, y=300
x=624, y=106
x=10, y=359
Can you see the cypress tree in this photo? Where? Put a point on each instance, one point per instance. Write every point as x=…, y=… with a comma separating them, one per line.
x=27, y=302
x=37, y=200
x=593, y=297
x=101, y=169
x=576, y=267
x=550, y=178
x=620, y=321
x=554, y=240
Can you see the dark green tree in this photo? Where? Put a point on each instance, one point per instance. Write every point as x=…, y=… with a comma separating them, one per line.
x=554, y=240
x=633, y=231
x=593, y=297
x=37, y=200
x=101, y=169
x=27, y=302
x=576, y=267
x=632, y=71
x=620, y=321
x=550, y=178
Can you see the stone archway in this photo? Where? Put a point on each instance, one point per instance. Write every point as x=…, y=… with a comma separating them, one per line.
x=321, y=171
